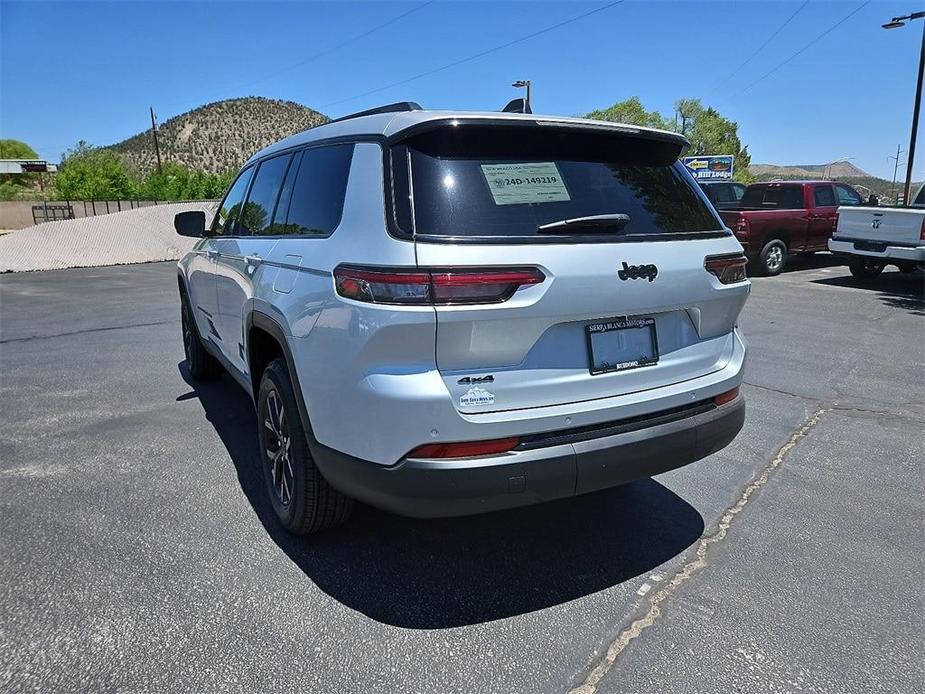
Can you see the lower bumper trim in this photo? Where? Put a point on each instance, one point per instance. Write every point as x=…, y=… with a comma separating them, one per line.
x=429, y=488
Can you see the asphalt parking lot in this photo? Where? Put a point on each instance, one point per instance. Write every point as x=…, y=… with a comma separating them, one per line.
x=138, y=553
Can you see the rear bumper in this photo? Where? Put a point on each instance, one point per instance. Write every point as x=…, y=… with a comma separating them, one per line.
x=914, y=254
x=427, y=488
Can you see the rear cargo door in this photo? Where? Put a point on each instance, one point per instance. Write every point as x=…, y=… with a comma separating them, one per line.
x=623, y=303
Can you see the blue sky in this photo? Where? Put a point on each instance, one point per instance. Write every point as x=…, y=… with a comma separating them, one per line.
x=79, y=70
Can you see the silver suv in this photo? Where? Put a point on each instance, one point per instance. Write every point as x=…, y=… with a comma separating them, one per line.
x=444, y=313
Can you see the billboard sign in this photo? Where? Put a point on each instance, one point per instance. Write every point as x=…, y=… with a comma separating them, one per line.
x=717, y=166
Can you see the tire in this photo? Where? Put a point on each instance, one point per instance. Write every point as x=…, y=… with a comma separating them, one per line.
x=202, y=365
x=864, y=268
x=772, y=259
x=302, y=499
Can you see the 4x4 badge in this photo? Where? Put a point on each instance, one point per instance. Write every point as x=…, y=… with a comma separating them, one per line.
x=635, y=272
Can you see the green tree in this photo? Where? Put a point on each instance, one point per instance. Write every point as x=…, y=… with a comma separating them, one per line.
x=631, y=112
x=16, y=149
x=705, y=128
x=89, y=173
x=12, y=186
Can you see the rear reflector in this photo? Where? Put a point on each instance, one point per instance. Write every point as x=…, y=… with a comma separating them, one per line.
x=728, y=396
x=433, y=287
x=466, y=449
x=728, y=269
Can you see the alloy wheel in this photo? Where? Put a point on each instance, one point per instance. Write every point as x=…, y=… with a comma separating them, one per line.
x=775, y=258
x=279, y=448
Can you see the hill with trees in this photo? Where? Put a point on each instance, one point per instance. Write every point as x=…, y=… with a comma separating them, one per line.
x=220, y=136
x=843, y=171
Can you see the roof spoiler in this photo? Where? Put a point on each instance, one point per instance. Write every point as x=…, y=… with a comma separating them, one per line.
x=517, y=106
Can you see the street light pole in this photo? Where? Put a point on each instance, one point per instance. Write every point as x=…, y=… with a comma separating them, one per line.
x=895, y=23
x=525, y=83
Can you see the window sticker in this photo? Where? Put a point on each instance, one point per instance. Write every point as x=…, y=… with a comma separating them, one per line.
x=529, y=182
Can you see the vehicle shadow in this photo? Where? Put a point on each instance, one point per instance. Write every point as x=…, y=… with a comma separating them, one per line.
x=900, y=290
x=811, y=261
x=434, y=574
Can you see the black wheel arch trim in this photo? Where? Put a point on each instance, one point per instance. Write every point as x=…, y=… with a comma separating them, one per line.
x=260, y=320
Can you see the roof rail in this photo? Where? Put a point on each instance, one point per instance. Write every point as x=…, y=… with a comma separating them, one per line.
x=397, y=107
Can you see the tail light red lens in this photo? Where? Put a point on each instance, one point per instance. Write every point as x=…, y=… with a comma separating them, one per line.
x=922, y=231
x=741, y=226
x=728, y=269
x=728, y=396
x=433, y=287
x=465, y=449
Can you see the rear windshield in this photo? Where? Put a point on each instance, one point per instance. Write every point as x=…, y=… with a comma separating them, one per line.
x=776, y=198
x=507, y=182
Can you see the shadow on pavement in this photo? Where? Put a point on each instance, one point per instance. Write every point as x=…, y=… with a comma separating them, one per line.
x=811, y=261
x=896, y=289
x=433, y=574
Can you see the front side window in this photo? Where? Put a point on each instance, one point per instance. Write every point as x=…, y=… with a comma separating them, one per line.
x=317, y=199
x=226, y=219
x=824, y=197
x=257, y=216
x=847, y=196
x=494, y=182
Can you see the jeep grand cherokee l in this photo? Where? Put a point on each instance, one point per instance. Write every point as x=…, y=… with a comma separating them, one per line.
x=444, y=313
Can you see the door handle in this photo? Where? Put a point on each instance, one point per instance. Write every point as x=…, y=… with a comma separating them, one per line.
x=253, y=260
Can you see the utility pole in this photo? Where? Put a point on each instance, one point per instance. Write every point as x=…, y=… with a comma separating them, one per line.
x=895, y=169
x=895, y=23
x=157, y=149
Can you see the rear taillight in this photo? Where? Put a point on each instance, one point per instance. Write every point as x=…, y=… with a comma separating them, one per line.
x=728, y=269
x=465, y=449
x=741, y=226
x=728, y=396
x=922, y=231
x=433, y=287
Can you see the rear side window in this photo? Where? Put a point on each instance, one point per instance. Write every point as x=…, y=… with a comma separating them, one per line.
x=722, y=193
x=491, y=182
x=824, y=196
x=774, y=198
x=738, y=190
x=225, y=222
x=257, y=217
x=318, y=190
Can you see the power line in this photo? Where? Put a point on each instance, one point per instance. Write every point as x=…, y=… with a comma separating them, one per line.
x=475, y=56
x=765, y=44
x=805, y=48
x=337, y=47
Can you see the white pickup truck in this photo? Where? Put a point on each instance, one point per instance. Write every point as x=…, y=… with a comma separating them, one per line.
x=874, y=237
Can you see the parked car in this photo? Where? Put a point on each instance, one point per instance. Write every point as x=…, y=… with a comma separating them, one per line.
x=723, y=194
x=870, y=238
x=778, y=218
x=444, y=313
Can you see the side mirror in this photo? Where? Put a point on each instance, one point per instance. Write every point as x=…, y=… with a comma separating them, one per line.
x=873, y=201
x=192, y=223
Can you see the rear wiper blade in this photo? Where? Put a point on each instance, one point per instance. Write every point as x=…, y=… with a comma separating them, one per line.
x=602, y=222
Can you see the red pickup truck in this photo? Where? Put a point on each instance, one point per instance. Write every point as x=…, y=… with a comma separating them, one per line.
x=773, y=220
